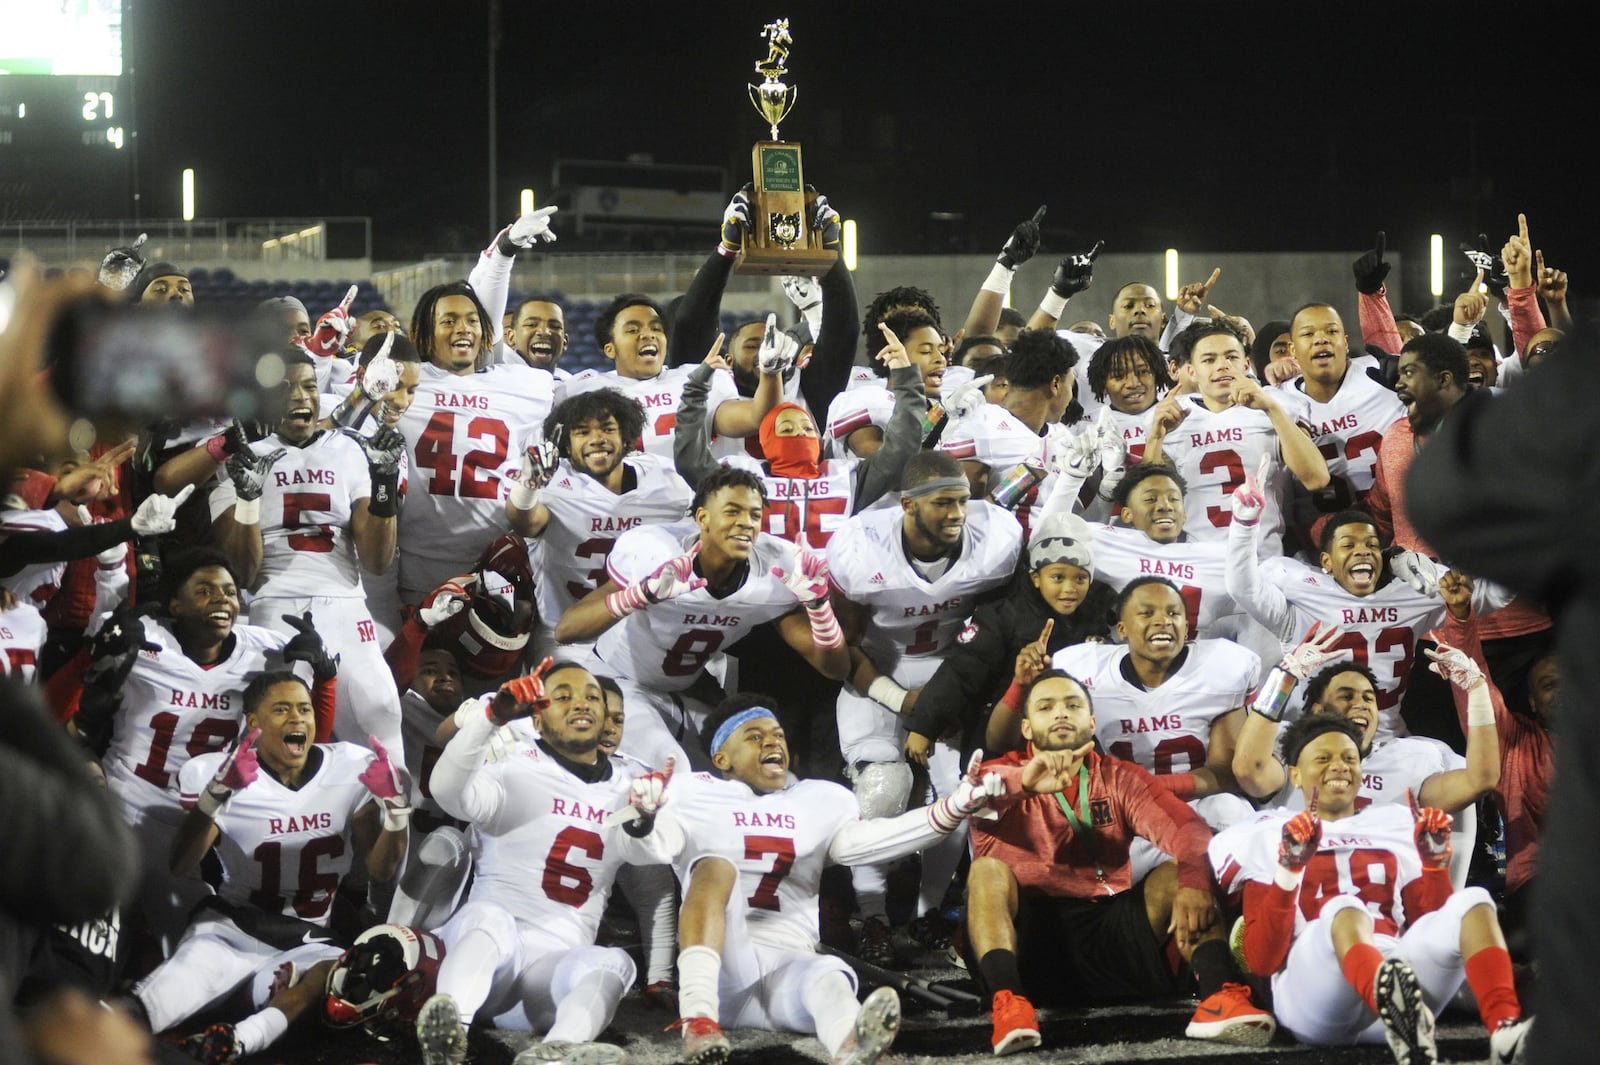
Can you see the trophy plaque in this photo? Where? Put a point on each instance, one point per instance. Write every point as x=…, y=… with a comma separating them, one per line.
x=779, y=241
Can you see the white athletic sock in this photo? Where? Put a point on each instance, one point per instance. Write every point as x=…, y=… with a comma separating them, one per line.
x=467, y=972
x=652, y=892
x=585, y=1011
x=260, y=1030
x=939, y=864
x=872, y=889
x=699, y=969
x=833, y=1007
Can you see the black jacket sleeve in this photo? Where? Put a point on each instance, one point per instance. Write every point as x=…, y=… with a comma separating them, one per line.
x=902, y=439
x=694, y=322
x=66, y=545
x=691, y=440
x=63, y=830
x=835, y=352
x=966, y=681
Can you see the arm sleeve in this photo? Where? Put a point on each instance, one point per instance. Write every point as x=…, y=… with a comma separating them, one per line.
x=880, y=472
x=694, y=323
x=63, y=830
x=1165, y=820
x=459, y=784
x=662, y=845
x=969, y=673
x=1263, y=600
x=1377, y=321
x=324, y=706
x=1526, y=318
x=1463, y=635
x=1177, y=322
x=1378, y=503
x=826, y=375
x=1426, y=893
x=883, y=839
x=32, y=547
x=405, y=652
x=1268, y=926
x=491, y=279
x=691, y=441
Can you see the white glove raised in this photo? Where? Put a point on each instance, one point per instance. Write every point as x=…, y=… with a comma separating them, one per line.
x=972, y=796
x=156, y=515
x=1113, y=450
x=1417, y=570
x=1078, y=456
x=1455, y=666
x=532, y=228
x=646, y=795
x=778, y=351
x=967, y=396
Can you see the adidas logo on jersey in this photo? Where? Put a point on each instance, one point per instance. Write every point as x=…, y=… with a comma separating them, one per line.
x=876, y=578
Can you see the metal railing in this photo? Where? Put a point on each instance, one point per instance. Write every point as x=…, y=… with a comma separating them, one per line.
x=403, y=285
x=204, y=240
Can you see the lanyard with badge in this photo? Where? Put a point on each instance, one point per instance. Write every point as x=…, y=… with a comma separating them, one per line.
x=1081, y=822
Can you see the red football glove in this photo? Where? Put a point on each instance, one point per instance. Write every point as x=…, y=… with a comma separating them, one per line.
x=521, y=696
x=328, y=338
x=1432, y=833
x=1301, y=835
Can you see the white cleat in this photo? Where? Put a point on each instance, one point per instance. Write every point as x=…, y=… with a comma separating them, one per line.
x=1508, y=1043
x=440, y=1033
x=572, y=1054
x=876, y=1026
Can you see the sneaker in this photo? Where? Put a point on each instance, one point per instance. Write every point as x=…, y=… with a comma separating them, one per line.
x=931, y=931
x=1507, y=1042
x=1228, y=1016
x=1016, y=1026
x=440, y=1033
x=876, y=1026
x=1407, y=1021
x=874, y=944
x=572, y=1054
x=662, y=995
x=216, y=1045
x=703, y=1041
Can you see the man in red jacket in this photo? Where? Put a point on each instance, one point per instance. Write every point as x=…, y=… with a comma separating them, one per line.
x=1051, y=902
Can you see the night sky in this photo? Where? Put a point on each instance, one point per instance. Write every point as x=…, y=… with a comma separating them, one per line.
x=1225, y=127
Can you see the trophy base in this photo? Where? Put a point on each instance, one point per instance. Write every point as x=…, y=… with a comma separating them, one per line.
x=778, y=262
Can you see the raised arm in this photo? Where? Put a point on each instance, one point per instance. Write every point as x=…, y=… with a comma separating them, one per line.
x=1263, y=600
x=457, y=783
x=491, y=274
x=1376, y=316
x=1021, y=246
x=828, y=372
x=691, y=440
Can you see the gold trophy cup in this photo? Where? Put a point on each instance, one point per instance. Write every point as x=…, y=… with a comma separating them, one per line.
x=779, y=241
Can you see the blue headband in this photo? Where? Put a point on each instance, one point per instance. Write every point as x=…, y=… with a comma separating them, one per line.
x=736, y=722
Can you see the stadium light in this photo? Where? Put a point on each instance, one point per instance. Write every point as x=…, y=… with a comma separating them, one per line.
x=188, y=194
x=527, y=202
x=1172, y=273
x=849, y=243
x=1436, y=265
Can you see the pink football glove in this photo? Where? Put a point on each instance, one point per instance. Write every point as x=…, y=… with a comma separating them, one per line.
x=1248, y=499
x=810, y=582
x=381, y=777
x=1432, y=833
x=672, y=578
x=238, y=770
x=1316, y=649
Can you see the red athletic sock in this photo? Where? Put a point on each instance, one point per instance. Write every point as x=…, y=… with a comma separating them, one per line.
x=1360, y=967
x=1489, y=974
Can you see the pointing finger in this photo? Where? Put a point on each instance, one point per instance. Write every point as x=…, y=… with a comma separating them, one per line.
x=888, y=334
x=1538, y=260
x=1522, y=227
x=183, y=494
x=349, y=298
x=1477, y=282
x=1044, y=634
x=1311, y=807
x=1094, y=252
x=543, y=667
x=1210, y=281
x=1038, y=216
x=1382, y=243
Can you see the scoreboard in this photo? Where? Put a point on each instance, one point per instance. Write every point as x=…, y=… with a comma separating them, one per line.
x=65, y=119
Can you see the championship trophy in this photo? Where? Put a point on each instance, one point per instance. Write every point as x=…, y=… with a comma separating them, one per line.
x=779, y=241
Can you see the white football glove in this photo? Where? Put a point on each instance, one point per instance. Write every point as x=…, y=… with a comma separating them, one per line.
x=156, y=515
x=967, y=396
x=528, y=230
x=778, y=349
x=1417, y=570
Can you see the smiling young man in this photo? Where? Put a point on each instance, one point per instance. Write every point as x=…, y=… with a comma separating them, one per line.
x=749, y=844
x=527, y=957
x=858, y=416
x=1055, y=906
x=1130, y=375
x=287, y=817
x=161, y=690
x=1346, y=409
x=600, y=488
x=1216, y=436
x=906, y=581
x=1350, y=910
x=672, y=603
x=465, y=435
x=631, y=330
x=301, y=513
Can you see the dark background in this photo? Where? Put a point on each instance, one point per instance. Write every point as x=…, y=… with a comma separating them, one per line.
x=1224, y=126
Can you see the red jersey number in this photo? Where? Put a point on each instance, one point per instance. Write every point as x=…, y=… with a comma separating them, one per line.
x=209, y=734
x=1368, y=874
x=313, y=536
x=436, y=452
x=562, y=881
x=1228, y=460
x=781, y=848
x=313, y=890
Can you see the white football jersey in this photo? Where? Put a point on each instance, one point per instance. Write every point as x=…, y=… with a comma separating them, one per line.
x=542, y=855
x=778, y=841
x=465, y=437
x=663, y=647
x=1392, y=766
x=22, y=634
x=1370, y=855
x=1000, y=440
x=284, y=850
x=1199, y=569
x=585, y=520
x=174, y=709
x=36, y=583
x=1168, y=729
x=1380, y=630
x=1214, y=452
x=1134, y=428
x=311, y=491
x=659, y=396
x=914, y=622
x=806, y=510
x=864, y=403
x=1348, y=430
